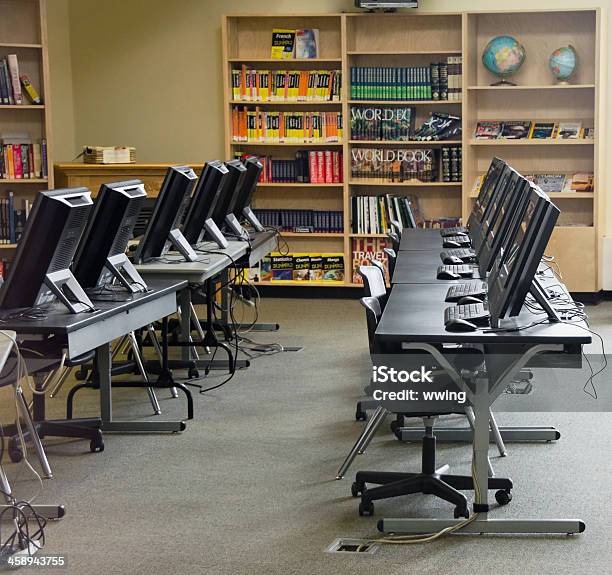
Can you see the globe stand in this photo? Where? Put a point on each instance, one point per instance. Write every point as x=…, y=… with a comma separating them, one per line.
x=503, y=82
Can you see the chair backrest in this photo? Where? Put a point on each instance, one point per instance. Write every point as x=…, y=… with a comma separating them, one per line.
x=395, y=240
x=373, y=281
x=397, y=228
x=391, y=259
x=373, y=313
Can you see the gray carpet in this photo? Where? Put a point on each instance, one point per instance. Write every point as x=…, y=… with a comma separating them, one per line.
x=249, y=486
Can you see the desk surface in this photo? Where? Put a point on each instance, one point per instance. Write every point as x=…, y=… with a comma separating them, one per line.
x=60, y=321
x=415, y=313
x=421, y=239
x=420, y=267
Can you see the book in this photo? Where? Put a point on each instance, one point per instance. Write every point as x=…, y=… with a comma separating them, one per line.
x=307, y=43
x=588, y=133
x=366, y=250
x=515, y=130
x=301, y=267
x=13, y=67
x=333, y=267
x=550, y=183
x=30, y=90
x=382, y=123
x=543, y=130
x=281, y=267
x=569, y=130
x=283, y=44
x=487, y=130
x=581, y=182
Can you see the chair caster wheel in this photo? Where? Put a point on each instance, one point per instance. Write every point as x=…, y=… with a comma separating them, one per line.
x=193, y=373
x=96, y=446
x=361, y=415
x=461, y=512
x=366, y=509
x=16, y=455
x=358, y=489
x=503, y=497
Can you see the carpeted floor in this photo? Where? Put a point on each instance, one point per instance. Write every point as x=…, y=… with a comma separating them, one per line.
x=249, y=487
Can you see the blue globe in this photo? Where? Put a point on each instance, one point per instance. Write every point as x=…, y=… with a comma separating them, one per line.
x=562, y=62
x=503, y=56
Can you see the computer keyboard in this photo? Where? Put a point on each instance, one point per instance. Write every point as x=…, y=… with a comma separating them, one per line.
x=464, y=270
x=455, y=241
x=466, y=254
x=453, y=231
x=472, y=312
x=474, y=289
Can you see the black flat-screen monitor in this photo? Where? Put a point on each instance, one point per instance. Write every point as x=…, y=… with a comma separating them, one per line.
x=204, y=200
x=41, y=269
x=486, y=190
x=229, y=188
x=510, y=282
x=247, y=187
x=100, y=256
x=162, y=230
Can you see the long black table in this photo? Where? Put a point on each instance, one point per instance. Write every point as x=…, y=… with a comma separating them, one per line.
x=421, y=266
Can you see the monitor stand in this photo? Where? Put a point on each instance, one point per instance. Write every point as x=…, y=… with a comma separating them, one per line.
x=125, y=273
x=63, y=281
x=214, y=233
x=539, y=294
x=237, y=229
x=252, y=219
x=181, y=245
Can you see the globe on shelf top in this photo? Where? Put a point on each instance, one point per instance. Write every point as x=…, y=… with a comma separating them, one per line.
x=562, y=63
x=503, y=56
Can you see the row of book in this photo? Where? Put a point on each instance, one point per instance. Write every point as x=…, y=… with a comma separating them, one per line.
x=395, y=164
x=554, y=182
x=451, y=163
x=300, y=267
x=285, y=127
x=22, y=159
x=12, y=82
x=308, y=167
x=382, y=123
x=438, y=81
x=252, y=85
x=13, y=216
x=304, y=221
x=522, y=129
x=373, y=214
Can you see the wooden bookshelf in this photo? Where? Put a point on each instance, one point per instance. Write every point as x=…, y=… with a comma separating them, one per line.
x=23, y=31
x=417, y=39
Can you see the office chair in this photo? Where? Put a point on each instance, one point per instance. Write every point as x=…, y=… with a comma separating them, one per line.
x=395, y=241
x=391, y=259
x=430, y=480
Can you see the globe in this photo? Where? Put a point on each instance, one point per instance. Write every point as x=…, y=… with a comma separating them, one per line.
x=503, y=56
x=562, y=63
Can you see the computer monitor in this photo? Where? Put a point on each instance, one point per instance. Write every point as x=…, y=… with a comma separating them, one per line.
x=480, y=231
x=486, y=191
x=508, y=208
x=241, y=207
x=230, y=186
x=162, y=230
x=198, y=220
x=511, y=279
x=41, y=269
x=100, y=256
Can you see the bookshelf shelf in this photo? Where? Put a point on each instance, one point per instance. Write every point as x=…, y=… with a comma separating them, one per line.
x=22, y=106
x=536, y=87
x=312, y=235
x=303, y=103
x=286, y=63
x=405, y=102
x=20, y=45
x=367, y=235
x=300, y=284
x=8, y=246
x=298, y=185
x=400, y=143
x=24, y=181
x=402, y=52
x=527, y=142
x=407, y=184
x=562, y=195
x=290, y=144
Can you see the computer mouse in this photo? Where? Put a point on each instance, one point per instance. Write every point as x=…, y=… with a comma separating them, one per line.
x=448, y=275
x=468, y=299
x=451, y=244
x=460, y=325
x=452, y=260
